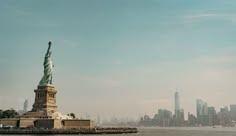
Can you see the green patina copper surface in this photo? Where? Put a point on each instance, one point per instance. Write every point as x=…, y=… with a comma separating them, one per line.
x=48, y=68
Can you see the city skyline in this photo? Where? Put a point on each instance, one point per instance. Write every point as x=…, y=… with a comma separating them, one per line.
x=199, y=102
x=205, y=116
x=120, y=58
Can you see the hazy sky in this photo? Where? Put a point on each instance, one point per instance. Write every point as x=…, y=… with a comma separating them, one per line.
x=120, y=57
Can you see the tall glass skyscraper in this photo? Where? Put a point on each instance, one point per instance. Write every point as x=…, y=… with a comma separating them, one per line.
x=177, y=104
x=202, y=112
x=25, y=105
x=179, y=113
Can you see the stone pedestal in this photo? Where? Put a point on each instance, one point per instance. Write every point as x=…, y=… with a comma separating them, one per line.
x=45, y=100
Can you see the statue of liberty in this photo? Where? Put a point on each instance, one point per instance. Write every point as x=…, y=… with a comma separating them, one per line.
x=48, y=68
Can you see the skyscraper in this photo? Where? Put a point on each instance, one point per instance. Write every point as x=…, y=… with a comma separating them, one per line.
x=165, y=117
x=212, y=116
x=179, y=113
x=202, y=112
x=233, y=111
x=199, y=107
x=177, y=104
x=25, y=105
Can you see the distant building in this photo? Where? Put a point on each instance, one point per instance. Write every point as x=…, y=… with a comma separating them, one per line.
x=165, y=117
x=212, y=116
x=26, y=105
x=233, y=112
x=145, y=121
x=177, y=103
x=179, y=113
x=192, y=120
x=199, y=107
x=181, y=116
x=224, y=116
x=202, y=112
x=25, y=108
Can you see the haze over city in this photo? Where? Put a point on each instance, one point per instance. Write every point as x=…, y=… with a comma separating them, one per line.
x=120, y=58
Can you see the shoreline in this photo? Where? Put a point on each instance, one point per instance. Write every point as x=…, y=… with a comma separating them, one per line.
x=119, y=130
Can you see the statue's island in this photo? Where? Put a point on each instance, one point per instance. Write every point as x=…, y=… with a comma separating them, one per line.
x=44, y=117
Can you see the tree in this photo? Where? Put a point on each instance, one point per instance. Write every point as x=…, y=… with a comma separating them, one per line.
x=1, y=111
x=72, y=115
x=11, y=113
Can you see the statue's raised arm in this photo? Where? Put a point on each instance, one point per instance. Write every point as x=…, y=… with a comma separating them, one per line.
x=49, y=45
x=48, y=53
x=48, y=68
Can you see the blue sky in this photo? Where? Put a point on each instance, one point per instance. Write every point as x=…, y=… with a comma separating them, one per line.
x=120, y=57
